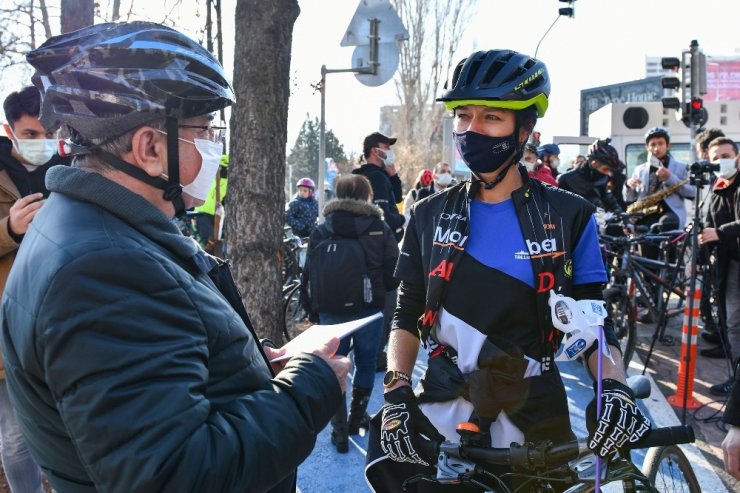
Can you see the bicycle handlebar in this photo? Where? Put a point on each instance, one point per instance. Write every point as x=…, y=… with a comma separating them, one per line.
x=531, y=456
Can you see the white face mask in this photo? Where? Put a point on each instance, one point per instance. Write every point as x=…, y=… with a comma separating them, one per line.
x=35, y=151
x=210, y=153
x=390, y=158
x=444, y=179
x=654, y=161
x=727, y=168
x=555, y=163
x=529, y=165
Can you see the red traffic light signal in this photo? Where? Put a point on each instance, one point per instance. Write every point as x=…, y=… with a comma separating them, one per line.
x=696, y=104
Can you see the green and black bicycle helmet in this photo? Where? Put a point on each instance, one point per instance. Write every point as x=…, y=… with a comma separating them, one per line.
x=499, y=79
x=658, y=132
x=602, y=151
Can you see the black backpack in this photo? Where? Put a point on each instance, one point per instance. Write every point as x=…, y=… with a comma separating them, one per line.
x=339, y=279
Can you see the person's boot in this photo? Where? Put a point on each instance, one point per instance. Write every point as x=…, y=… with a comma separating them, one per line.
x=339, y=436
x=358, y=417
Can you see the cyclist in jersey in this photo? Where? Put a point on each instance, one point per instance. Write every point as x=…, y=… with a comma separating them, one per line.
x=477, y=265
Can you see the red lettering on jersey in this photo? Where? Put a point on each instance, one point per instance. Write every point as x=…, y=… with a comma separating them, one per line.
x=547, y=282
x=429, y=318
x=443, y=270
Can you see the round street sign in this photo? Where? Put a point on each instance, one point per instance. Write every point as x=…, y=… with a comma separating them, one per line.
x=387, y=63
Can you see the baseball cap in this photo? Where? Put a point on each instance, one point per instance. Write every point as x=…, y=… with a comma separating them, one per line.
x=374, y=139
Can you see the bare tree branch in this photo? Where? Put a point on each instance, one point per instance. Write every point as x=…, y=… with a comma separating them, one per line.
x=116, y=12
x=45, y=18
x=435, y=29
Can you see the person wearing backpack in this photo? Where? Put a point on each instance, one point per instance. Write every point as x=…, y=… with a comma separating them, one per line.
x=349, y=268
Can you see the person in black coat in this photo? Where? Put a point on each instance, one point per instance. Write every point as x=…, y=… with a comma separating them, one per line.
x=353, y=215
x=591, y=178
x=380, y=169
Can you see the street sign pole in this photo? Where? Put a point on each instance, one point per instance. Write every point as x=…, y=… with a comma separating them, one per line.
x=373, y=22
x=322, y=127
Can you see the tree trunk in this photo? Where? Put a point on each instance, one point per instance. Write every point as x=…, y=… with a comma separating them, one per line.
x=77, y=14
x=254, y=219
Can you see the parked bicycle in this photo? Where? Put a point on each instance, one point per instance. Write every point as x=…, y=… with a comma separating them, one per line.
x=295, y=319
x=650, y=282
x=571, y=465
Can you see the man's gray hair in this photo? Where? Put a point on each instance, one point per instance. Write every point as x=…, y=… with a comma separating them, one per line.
x=117, y=146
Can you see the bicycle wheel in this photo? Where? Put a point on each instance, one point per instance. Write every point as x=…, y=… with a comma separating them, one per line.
x=622, y=314
x=669, y=470
x=295, y=319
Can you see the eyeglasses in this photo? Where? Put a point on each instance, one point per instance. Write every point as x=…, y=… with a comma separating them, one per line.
x=212, y=132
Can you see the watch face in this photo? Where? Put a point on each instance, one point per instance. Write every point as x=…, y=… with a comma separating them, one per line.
x=389, y=377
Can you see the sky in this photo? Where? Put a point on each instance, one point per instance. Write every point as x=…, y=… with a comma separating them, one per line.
x=605, y=43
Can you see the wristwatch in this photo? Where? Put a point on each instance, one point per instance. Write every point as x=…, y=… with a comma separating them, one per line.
x=392, y=376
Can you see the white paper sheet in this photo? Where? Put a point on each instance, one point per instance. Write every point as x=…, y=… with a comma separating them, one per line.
x=318, y=335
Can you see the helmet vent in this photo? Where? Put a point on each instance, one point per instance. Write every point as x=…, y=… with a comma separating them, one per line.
x=472, y=72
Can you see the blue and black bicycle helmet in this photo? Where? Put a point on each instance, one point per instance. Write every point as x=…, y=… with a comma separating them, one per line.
x=548, y=150
x=499, y=79
x=658, y=132
x=107, y=79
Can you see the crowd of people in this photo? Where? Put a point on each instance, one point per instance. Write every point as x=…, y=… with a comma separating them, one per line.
x=130, y=362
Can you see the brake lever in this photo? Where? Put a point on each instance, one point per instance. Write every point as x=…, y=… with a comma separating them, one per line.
x=450, y=468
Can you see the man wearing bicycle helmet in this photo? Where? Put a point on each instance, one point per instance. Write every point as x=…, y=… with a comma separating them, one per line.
x=659, y=173
x=302, y=212
x=549, y=155
x=477, y=267
x=590, y=179
x=131, y=361
x=536, y=169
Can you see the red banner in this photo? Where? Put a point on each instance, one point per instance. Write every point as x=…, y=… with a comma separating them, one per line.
x=723, y=79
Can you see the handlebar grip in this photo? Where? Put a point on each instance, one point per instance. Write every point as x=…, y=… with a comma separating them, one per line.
x=658, y=437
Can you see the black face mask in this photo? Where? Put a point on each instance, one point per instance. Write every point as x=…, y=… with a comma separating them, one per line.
x=484, y=154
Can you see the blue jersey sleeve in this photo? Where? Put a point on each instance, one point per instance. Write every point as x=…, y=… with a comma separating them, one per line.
x=588, y=265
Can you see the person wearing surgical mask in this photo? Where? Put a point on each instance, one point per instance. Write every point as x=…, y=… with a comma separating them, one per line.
x=549, y=155
x=537, y=170
x=442, y=176
x=26, y=154
x=380, y=168
x=125, y=338
x=722, y=230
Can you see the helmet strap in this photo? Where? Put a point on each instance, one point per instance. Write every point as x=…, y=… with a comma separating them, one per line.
x=173, y=189
x=171, y=186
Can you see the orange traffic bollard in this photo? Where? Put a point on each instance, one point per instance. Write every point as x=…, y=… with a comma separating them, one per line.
x=684, y=385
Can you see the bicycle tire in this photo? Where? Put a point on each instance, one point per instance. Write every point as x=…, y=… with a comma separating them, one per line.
x=669, y=470
x=294, y=317
x=622, y=314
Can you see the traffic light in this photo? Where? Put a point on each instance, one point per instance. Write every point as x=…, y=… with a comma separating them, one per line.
x=671, y=82
x=691, y=85
x=570, y=10
x=698, y=112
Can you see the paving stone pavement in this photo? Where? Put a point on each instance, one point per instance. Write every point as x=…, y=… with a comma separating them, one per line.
x=663, y=366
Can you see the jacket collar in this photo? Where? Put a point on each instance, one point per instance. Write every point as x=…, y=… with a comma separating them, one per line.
x=359, y=207
x=140, y=214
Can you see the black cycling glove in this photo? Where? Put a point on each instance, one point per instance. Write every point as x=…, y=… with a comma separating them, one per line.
x=621, y=419
x=406, y=435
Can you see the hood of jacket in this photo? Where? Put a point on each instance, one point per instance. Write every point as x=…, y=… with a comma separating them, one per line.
x=350, y=217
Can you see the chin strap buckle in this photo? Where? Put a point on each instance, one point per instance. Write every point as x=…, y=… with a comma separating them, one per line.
x=172, y=192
